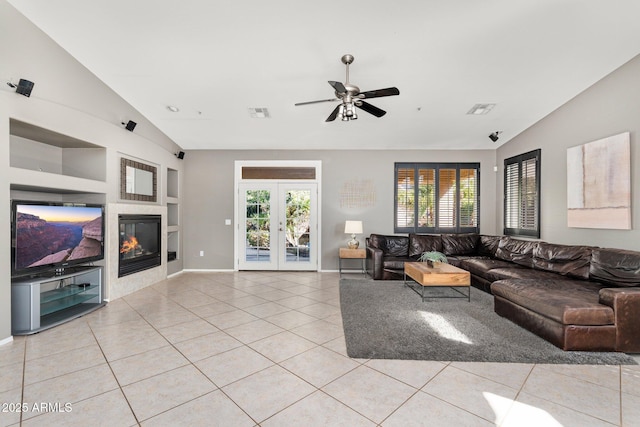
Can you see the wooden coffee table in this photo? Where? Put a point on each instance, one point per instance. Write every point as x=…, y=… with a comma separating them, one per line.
x=445, y=276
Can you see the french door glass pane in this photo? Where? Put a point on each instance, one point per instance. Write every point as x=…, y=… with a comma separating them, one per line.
x=297, y=223
x=258, y=225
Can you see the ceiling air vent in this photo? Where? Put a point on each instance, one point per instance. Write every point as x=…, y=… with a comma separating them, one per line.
x=480, y=109
x=259, y=113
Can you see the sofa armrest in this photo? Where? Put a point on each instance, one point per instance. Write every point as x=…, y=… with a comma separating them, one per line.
x=626, y=308
x=374, y=263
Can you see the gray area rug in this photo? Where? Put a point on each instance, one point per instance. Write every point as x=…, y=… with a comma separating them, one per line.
x=387, y=320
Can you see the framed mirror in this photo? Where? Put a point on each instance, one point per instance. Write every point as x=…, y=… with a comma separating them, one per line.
x=138, y=181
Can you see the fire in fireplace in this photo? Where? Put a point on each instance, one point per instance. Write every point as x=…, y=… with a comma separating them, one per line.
x=139, y=243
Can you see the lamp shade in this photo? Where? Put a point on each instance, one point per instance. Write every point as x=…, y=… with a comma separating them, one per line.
x=353, y=227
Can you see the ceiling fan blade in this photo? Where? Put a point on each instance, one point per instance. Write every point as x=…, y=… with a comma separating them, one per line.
x=371, y=109
x=339, y=87
x=333, y=114
x=390, y=91
x=317, y=102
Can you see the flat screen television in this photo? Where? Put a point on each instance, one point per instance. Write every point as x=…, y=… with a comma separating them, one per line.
x=53, y=235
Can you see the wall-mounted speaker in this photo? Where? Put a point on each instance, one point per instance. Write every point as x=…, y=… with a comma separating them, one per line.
x=180, y=155
x=130, y=125
x=24, y=87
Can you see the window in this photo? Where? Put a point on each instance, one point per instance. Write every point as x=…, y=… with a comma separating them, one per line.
x=522, y=195
x=437, y=197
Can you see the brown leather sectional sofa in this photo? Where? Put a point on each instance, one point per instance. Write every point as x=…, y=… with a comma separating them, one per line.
x=576, y=297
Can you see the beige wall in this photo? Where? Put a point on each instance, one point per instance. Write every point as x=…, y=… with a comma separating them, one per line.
x=209, y=199
x=609, y=107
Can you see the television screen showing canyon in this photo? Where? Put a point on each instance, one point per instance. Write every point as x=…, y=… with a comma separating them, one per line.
x=48, y=235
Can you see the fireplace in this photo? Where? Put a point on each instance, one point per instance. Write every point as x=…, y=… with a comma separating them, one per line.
x=139, y=243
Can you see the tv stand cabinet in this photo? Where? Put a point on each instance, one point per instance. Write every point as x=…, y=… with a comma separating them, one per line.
x=44, y=301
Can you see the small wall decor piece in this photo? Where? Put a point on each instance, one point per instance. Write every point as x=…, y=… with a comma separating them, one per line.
x=599, y=184
x=357, y=194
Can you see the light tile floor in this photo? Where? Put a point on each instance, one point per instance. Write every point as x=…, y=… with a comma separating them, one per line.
x=248, y=349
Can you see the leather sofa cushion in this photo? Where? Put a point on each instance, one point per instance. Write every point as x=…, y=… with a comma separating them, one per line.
x=397, y=246
x=517, y=251
x=481, y=266
x=459, y=244
x=521, y=273
x=394, y=263
x=615, y=267
x=569, y=302
x=571, y=261
x=419, y=243
x=455, y=260
x=488, y=245
x=378, y=241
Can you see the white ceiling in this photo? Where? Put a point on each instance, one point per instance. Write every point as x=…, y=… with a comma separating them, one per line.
x=215, y=59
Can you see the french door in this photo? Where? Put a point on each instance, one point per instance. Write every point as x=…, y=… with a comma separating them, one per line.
x=277, y=226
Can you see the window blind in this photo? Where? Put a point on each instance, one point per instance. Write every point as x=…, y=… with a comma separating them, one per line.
x=437, y=197
x=405, y=196
x=522, y=194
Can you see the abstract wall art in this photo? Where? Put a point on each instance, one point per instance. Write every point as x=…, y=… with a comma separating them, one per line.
x=599, y=184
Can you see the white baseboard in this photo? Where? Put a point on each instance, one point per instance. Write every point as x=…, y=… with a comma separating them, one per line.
x=6, y=340
x=177, y=273
x=207, y=270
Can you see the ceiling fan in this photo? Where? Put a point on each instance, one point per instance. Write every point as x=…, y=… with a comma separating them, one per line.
x=351, y=97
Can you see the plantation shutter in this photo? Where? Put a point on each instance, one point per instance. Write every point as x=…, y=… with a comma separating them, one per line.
x=426, y=198
x=529, y=208
x=512, y=196
x=437, y=197
x=522, y=194
x=405, y=196
x=469, y=200
x=447, y=198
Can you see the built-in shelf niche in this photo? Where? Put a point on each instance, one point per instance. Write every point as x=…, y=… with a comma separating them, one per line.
x=173, y=182
x=173, y=218
x=173, y=244
x=46, y=152
x=173, y=215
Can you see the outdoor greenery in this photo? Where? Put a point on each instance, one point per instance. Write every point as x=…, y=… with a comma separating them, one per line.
x=297, y=214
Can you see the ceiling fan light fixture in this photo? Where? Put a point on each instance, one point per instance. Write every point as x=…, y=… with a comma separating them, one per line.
x=341, y=115
x=347, y=111
x=350, y=111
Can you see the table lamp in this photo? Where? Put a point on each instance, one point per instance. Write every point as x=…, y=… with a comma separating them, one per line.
x=353, y=228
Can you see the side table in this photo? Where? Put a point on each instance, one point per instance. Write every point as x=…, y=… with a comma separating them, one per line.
x=346, y=253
